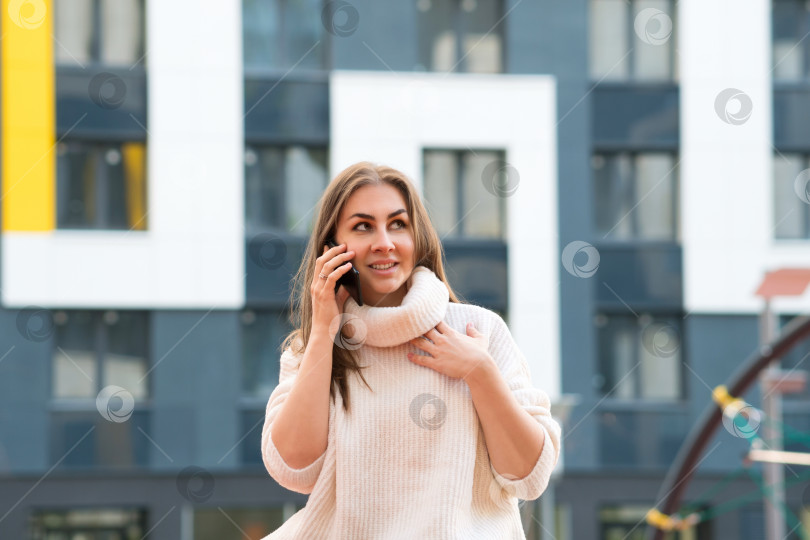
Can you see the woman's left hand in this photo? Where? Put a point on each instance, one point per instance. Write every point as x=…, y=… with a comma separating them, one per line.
x=452, y=353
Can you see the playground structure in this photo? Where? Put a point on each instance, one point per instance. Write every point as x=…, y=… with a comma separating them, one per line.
x=728, y=407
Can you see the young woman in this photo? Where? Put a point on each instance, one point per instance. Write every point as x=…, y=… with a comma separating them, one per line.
x=413, y=415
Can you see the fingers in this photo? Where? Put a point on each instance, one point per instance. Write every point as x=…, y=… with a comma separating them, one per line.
x=442, y=328
x=327, y=255
x=341, y=297
x=333, y=258
x=432, y=334
x=332, y=277
x=333, y=264
x=339, y=260
x=439, y=334
x=423, y=344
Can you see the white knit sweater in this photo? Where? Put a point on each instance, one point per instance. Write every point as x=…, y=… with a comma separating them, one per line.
x=410, y=460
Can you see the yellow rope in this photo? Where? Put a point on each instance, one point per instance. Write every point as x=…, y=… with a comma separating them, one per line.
x=659, y=520
x=671, y=523
x=723, y=398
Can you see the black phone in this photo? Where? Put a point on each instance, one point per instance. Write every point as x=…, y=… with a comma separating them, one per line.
x=350, y=280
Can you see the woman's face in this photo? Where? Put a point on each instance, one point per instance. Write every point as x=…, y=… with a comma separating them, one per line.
x=374, y=223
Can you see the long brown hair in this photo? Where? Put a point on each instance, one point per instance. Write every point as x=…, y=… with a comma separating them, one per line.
x=427, y=252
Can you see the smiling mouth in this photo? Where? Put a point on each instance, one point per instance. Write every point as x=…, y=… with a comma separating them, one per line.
x=384, y=268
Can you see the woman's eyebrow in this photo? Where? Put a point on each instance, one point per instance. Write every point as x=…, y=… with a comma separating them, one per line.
x=366, y=216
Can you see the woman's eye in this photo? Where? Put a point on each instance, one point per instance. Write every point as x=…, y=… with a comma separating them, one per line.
x=397, y=224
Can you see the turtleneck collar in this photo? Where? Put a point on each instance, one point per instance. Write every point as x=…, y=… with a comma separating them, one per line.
x=424, y=306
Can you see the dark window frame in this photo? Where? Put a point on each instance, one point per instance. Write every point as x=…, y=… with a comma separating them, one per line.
x=273, y=315
x=138, y=517
x=101, y=350
x=286, y=64
x=638, y=401
x=95, y=38
x=258, y=147
x=799, y=401
x=632, y=78
x=633, y=154
x=804, y=157
x=461, y=211
x=101, y=183
x=459, y=28
x=100, y=142
x=250, y=405
x=84, y=409
x=802, y=42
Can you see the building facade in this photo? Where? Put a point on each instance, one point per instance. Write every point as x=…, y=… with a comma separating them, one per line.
x=613, y=177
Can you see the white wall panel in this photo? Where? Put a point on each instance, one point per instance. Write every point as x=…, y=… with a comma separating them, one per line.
x=726, y=168
x=389, y=118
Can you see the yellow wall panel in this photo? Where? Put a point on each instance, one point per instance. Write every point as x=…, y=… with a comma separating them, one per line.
x=135, y=181
x=28, y=116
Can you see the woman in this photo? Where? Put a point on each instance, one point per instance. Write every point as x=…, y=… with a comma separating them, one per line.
x=413, y=415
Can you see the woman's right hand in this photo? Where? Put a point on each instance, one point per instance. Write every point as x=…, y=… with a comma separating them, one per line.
x=326, y=304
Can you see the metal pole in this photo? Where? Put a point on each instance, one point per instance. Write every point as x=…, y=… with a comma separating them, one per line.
x=774, y=474
x=547, y=513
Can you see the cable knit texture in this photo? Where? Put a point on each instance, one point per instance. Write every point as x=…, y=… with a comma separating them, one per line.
x=410, y=460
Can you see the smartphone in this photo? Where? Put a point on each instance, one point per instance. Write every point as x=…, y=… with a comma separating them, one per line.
x=350, y=280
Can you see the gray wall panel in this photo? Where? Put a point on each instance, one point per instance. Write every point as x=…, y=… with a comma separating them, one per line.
x=198, y=369
x=550, y=37
x=24, y=397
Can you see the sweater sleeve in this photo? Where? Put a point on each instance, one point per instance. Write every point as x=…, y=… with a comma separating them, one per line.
x=299, y=480
x=515, y=370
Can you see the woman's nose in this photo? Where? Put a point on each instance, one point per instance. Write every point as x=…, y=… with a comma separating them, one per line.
x=382, y=242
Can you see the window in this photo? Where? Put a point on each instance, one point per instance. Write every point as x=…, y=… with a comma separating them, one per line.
x=633, y=40
x=84, y=439
x=88, y=523
x=791, y=196
x=478, y=271
x=217, y=523
x=109, y=32
x=636, y=195
x=791, y=51
x=94, y=350
x=101, y=164
x=798, y=359
x=640, y=357
x=283, y=186
x=639, y=439
x=460, y=189
x=280, y=34
x=461, y=35
x=464, y=192
x=101, y=185
x=263, y=332
x=250, y=444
